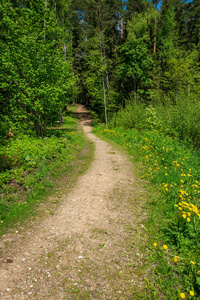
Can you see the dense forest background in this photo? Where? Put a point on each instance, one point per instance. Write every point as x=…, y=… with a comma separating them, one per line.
x=135, y=62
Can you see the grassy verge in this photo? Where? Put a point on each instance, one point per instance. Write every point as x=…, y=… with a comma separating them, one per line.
x=36, y=168
x=172, y=170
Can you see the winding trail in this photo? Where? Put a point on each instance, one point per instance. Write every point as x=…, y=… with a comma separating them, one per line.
x=89, y=248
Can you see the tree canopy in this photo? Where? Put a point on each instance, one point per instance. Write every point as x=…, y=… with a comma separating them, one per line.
x=96, y=52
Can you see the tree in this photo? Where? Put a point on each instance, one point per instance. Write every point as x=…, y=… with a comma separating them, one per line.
x=35, y=76
x=134, y=66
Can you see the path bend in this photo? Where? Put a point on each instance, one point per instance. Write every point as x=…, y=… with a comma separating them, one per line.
x=86, y=249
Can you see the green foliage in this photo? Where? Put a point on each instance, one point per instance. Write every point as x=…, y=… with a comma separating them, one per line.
x=27, y=164
x=137, y=115
x=152, y=118
x=5, y=125
x=138, y=26
x=139, y=50
x=135, y=64
x=131, y=117
x=178, y=75
x=93, y=75
x=35, y=80
x=28, y=152
x=176, y=119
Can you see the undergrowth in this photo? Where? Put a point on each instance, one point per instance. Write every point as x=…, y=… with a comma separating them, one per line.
x=173, y=167
x=176, y=118
x=29, y=166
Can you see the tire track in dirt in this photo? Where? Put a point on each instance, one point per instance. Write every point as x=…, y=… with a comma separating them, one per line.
x=87, y=249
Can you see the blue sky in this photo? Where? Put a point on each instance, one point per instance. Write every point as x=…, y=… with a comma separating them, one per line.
x=159, y=4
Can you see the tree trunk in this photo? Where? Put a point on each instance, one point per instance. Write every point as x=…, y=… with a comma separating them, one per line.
x=148, y=22
x=104, y=57
x=122, y=27
x=188, y=37
x=46, y=3
x=72, y=49
x=155, y=29
x=61, y=116
x=155, y=32
x=65, y=51
x=104, y=95
x=39, y=128
x=55, y=2
x=103, y=48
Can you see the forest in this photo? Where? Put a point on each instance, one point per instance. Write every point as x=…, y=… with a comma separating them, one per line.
x=135, y=64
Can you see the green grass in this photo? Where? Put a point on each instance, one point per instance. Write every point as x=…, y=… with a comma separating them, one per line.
x=171, y=171
x=33, y=169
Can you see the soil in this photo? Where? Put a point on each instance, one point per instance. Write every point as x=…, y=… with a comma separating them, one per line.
x=89, y=247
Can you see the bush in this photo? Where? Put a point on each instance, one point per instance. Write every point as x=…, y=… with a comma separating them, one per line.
x=133, y=116
x=180, y=118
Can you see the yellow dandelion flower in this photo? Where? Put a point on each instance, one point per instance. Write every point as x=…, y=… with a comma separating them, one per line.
x=175, y=258
x=189, y=214
x=191, y=293
x=198, y=272
x=184, y=216
x=188, y=219
x=155, y=244
x=165, y=247
x=182, y=295
x=166, y=174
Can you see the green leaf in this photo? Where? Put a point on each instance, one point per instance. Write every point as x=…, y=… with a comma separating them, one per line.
x=198, y=280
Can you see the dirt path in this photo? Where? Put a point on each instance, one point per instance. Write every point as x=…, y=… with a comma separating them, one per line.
x=89, y=248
